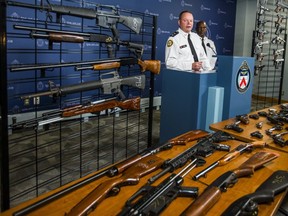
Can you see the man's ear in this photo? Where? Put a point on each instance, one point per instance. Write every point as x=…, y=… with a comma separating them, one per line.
x=178, y=22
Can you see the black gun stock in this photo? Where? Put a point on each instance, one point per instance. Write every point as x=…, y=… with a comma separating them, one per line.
x=248, y=204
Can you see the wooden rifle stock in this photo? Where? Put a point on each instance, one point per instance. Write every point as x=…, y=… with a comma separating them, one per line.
x=110, y=187
x=153, y=66
x=212, y=194
x=129, y=104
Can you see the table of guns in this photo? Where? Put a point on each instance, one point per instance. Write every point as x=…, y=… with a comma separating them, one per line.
x=240, y=168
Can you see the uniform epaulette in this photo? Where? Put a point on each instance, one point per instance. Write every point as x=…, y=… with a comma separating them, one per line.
x=174, y=34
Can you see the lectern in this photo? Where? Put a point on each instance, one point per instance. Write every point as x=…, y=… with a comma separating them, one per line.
x=184, y=100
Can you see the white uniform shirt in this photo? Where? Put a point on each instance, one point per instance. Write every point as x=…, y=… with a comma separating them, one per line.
x=211, y=52
x=178, y=55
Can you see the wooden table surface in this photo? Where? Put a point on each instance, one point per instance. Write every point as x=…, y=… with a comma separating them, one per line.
x=113, y=205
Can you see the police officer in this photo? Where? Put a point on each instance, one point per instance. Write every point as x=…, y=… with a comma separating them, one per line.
x=209, y=46
x=179, y=54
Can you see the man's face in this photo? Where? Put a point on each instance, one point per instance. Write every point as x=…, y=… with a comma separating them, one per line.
x=186, y=22
x=201, y=31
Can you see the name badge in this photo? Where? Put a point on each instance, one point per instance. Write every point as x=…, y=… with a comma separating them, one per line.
x=183, y=46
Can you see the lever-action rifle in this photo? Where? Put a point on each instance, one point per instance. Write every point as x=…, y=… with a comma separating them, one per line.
x=156, y=198
x=247, y=147
x=151, y=65
x=80, y=37
x=117, y=169
x=108, y=85
x=212, y=193
x=55, y=116
x=103, y=18
x=111, y=187
x=265, y=193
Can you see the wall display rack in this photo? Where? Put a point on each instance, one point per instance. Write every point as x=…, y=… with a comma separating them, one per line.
x=269, y=47
x=60, y=59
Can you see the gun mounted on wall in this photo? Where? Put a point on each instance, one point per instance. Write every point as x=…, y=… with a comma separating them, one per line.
x=106, y=16
x=58, y=36
x=110, y=85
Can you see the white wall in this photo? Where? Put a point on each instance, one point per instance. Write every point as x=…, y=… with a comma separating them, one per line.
x=245, y=24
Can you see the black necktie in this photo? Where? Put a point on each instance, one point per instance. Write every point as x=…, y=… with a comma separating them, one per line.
x=192, y=49
x=203, y=44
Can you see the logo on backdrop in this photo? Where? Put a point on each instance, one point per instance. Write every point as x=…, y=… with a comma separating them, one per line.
x=243, y=77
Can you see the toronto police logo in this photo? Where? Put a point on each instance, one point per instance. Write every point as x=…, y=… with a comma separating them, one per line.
x=243, y=77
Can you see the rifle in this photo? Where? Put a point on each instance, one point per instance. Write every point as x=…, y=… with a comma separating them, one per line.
x=116, y=169
x=55, y=116
x=204, y=147
x=103, y=18
x=213, y=192
x=151, y=65
x=111, y=187
x=79, y=37
x=230, y=156
x=265, y=193
x=156, y=198
x=108, y=85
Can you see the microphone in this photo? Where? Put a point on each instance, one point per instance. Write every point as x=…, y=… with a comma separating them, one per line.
x=208, y=45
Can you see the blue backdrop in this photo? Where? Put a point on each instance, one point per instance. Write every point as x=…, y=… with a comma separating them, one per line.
x=219, y=15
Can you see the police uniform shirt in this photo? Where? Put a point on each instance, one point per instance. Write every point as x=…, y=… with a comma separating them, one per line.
x=211, y=52
x=178, y=55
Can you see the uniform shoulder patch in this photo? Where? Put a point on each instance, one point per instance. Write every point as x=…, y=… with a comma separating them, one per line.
x=174, y=34
x=169, y=43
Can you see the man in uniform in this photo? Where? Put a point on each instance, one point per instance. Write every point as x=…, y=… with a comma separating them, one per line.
x=209, y=46
x=182, y=54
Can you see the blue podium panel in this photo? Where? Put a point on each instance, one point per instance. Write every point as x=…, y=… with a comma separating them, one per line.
x=235, y=74
x=183, y=102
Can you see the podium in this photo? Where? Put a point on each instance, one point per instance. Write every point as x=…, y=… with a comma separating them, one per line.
x=184, y=100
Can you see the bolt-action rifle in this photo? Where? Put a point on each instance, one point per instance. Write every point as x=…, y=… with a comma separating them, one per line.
x=155, y=199
x=94, y=107
x=57, y=36
x=212, y=193
x=117, y=169
x=101, y=14
x=108, y=85
x=265, y=193
x=247, y=147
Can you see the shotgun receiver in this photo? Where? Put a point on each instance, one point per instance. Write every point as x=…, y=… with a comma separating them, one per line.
x=108, y=85
x=101, y=14
x=94, y=107
x=111, y=187
x=248, y=204
x=157, y=198
x=212, y=193
x=247, y=147
x=117, y=169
